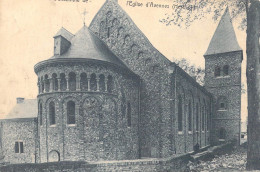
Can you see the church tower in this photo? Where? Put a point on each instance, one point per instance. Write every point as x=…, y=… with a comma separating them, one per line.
x=223, y=79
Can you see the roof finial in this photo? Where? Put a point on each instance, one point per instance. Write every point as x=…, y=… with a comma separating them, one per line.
x=84, y=13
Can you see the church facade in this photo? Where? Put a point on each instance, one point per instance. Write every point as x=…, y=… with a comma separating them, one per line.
x=108, y=94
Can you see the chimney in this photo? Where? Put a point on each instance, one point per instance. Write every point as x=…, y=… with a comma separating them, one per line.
x=19, y=100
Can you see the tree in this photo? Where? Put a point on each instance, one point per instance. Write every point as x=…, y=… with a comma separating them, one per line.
x=187, y=11
x=247, y=11
x=196, y=72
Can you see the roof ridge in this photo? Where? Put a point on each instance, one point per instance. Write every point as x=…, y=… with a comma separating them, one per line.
x=86, y=44
x=134, y=25
x=62, y=32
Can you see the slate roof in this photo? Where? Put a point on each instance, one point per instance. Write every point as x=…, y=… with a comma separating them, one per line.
x=224, y=39
x=64, y=33
x=27, y=109
x=85, y=44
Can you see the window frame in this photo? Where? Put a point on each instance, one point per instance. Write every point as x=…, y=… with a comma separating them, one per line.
x=129, y=114
x=190, y=116
x=40, y=113
x=222, y=100
x=226, y=70
x=180, y=114
x=52, y=117
x=69, y=115
x=217, y=71
x=19, y=147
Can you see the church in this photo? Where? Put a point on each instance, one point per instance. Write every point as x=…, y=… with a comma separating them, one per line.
x=108, y=94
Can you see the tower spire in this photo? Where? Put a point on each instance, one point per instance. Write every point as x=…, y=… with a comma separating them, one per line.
x=224, y=38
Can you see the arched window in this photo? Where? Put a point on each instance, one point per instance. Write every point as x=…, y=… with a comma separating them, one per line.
x=72, y=81
x=40, y=113
x=129, y=115
x=71, y=113
x=217, y=71
x=110, y=84
x=101, y=83
x=83, y=82
x=55, y=82
x=197, y=117
x=39, y=85
x=203, y=118
x=52, y=113
x=93, y=82
x=226, y=70
x=190, y=116
x=42, y=84
x=208, y=119
x=222, y=103
x=63, y=82
x=180, y=127
x=47, y=83
x=222, y=134
x=127, y=40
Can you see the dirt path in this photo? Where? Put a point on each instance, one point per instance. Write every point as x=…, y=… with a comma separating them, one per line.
x=236, y=161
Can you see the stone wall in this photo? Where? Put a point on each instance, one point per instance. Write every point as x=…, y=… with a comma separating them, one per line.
x=22, y=130
x=147, y=165
x=102, y=130
x=122, y=36
x=158, y=129
x=190, y=92
x=227, y=90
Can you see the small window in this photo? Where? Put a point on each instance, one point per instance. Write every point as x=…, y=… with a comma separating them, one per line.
x=222, y=103
x=63, y=82
x=222, y=134
x=18, y=147
x=47, y=83
x=72, y=81
x=102, y=86
x=71, y=112
x=190, y=117
x=217, y=71
x=180, y=126
x=93, y=82
x=40, y=113
x=129, y=115
x=203, y=118
x=110, y=84
x=52, y=113
x=83, y=82
x=226, y=70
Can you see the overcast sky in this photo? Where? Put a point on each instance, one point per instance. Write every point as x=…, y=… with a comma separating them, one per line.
x=27, y=28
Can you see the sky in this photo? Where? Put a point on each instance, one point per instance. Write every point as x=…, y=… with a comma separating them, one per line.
x=27, y=28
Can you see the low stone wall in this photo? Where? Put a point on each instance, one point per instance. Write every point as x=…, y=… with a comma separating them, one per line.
x=65, y=166
x=174, y=163
x=177, y=163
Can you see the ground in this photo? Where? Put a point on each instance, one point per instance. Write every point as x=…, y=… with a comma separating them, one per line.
x=234, y=161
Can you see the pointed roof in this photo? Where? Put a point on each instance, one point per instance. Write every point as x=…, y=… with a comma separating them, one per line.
x=85, y=44
x=64, y=33
x=224, y=38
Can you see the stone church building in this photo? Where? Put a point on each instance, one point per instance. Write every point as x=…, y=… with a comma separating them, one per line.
x=108, y=94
